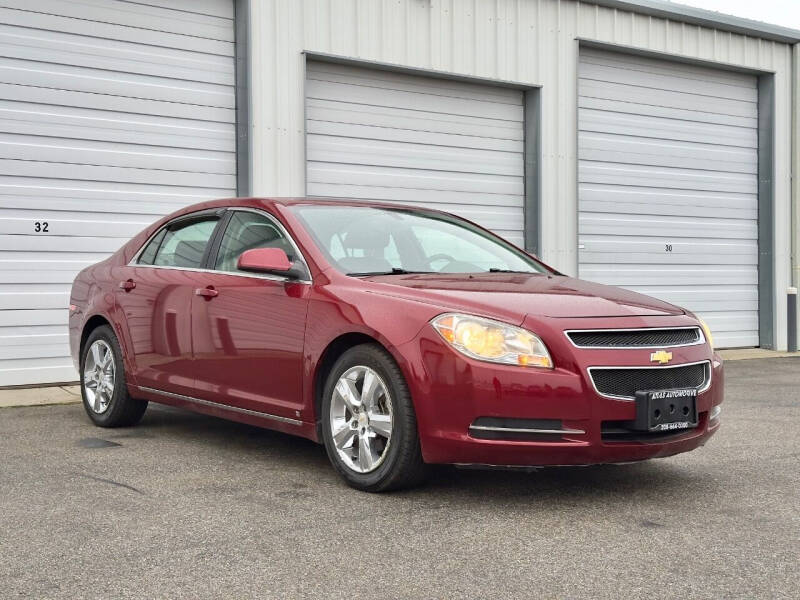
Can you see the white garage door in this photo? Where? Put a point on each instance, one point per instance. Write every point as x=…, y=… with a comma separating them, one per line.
x=444, y=144
x=668, y=186
x=111, y=114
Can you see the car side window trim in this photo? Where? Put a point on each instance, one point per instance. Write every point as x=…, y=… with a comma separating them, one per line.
x=216, y=239
x=212, y=258
x=155, y=241
x=212, y=248
x=134, y=262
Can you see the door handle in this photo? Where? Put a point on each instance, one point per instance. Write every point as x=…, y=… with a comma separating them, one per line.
x=207, y=292
x=127, y=285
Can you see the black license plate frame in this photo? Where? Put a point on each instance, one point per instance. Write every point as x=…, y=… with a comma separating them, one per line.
x=666, y=410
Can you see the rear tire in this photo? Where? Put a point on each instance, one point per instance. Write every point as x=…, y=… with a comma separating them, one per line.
x=369, y=426
x=103, y=387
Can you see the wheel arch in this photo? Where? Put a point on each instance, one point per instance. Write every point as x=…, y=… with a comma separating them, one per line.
x=89, y=326
x=329, y=356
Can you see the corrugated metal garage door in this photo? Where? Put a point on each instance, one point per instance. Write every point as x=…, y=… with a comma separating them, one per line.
x=445, y=144
x=111, y=114
x=668, y=186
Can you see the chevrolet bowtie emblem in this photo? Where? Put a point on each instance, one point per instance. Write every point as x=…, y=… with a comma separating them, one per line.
x=662, y=357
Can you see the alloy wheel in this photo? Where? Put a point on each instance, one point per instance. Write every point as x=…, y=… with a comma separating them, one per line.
x=361, y=419
x=99, y=375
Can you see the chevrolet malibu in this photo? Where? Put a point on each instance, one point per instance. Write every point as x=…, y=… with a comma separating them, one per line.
x=395, y=336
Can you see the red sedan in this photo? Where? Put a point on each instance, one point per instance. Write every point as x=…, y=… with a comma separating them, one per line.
x=395, y=336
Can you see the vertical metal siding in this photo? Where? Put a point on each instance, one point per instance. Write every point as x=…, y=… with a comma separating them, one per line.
x=668, y=186
x=111, y=115
x=444, y=144
x=529, y=41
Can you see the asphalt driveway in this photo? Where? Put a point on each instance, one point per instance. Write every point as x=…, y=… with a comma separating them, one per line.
x=187, y=506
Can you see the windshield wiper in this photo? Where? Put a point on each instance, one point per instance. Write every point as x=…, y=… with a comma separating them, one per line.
x=394, y=271
x=496, y=270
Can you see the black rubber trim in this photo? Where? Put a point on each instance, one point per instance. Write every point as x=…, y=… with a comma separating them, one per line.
x=212, y=248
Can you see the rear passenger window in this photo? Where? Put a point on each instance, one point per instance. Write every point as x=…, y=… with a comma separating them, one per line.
x=183, y=244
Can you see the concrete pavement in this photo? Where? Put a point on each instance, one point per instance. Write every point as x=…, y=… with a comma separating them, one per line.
x=40, y=396
x=187, y=506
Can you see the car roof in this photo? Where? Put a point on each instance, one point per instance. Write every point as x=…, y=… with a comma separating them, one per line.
x=267, y=202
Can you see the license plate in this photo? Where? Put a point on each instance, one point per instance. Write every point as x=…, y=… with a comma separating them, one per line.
x=666, y=410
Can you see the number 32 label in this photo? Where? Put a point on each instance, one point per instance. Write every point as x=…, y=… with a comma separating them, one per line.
x=41, y=227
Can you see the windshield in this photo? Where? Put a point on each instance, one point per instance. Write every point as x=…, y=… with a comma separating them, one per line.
x=363, y=240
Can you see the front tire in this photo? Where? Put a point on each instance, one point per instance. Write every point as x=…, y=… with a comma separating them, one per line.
x=368, y=422
x=103, y=388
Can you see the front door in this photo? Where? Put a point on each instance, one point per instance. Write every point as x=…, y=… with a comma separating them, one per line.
x=248, y=329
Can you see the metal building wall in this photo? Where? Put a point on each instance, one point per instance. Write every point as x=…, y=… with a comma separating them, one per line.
x=112, y=114
x=437, y=143
x=533, y=42
x=668, y=186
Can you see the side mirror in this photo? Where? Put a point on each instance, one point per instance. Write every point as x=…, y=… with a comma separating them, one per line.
x=269, y=260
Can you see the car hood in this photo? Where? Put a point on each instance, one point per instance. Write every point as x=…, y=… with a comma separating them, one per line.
x=515, y=295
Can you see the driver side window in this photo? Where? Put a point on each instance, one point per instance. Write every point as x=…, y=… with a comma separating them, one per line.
x=245, y=231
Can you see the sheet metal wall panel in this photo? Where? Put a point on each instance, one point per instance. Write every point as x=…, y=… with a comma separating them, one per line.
x=534, y=42
x=440, y=143
x=111, y=114
x=146, y=16
x=698, y=253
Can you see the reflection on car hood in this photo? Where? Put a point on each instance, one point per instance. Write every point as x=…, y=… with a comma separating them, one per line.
x=514, y=295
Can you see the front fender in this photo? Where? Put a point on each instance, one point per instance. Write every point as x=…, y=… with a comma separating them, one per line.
x=392, y=322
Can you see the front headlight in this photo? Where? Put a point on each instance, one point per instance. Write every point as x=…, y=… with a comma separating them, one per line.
x=493, y=341
x=706, y=332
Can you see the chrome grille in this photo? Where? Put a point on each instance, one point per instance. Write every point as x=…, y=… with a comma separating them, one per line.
x=636, y=338
x=625, y=382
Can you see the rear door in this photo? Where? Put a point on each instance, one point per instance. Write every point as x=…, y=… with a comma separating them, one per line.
x=248, y=333
x=156, y=296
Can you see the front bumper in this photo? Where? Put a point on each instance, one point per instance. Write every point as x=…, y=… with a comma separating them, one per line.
x=452, y=392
